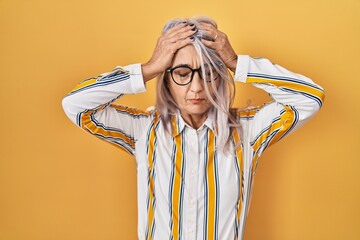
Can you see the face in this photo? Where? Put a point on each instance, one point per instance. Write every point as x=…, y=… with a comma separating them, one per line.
x=191, y=99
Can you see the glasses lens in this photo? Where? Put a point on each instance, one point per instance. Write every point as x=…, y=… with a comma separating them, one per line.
x=182, y=75
x=209, y=73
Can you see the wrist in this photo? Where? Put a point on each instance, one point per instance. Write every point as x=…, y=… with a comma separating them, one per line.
x=231, y=63
x=149, y=71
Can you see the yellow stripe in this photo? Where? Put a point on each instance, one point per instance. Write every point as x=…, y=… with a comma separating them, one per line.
x=254, y=163
x=295, y=86
x=132, y=111
x=177, y=187
x=211, y=182
x=93, y=80
x=240, y=164
x=285, y=122
x=89, y=125
x=174, y=126
x=84, y=83
x=247, y=112
x=151, y=179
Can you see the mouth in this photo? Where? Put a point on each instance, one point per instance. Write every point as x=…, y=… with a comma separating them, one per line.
x=196, y=100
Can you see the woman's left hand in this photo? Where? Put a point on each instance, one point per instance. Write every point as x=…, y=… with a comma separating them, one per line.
x=220, y=43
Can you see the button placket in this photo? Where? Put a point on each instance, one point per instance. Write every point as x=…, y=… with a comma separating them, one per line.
x=193, y=181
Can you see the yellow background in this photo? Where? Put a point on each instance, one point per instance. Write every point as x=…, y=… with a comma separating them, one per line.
x=59, y=183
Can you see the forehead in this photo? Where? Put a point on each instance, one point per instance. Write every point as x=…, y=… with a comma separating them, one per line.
x=186, y=55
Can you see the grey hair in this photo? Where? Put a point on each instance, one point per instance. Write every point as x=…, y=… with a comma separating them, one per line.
x=224, y=93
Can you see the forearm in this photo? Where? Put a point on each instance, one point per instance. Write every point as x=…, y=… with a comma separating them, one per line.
x=95, y=92
x=296, y=99
x=149, y=72
x=284, y=86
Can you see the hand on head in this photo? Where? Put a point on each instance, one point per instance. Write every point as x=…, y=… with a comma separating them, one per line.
x=181, y=35
x=167, y=45
x=220, y=43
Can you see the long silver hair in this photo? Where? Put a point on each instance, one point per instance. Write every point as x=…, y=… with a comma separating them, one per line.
x=223, y=94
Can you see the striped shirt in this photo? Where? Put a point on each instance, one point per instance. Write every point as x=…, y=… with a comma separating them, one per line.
x=186, y=189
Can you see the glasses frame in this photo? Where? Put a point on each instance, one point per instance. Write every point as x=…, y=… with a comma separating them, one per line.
x=198, y=70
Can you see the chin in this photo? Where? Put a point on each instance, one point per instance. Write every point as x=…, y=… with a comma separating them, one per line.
x=197, y=110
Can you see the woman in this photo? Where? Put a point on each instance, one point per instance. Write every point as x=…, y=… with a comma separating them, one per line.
x=196, y=157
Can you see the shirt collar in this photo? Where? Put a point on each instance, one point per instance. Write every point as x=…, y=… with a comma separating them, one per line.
x=178, y=123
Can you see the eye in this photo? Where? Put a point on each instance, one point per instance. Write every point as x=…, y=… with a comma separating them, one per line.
x=182, y=72
x=208, y=72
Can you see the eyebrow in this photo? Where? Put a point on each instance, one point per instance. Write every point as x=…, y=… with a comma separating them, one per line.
x=187, y=65
x=181, y=65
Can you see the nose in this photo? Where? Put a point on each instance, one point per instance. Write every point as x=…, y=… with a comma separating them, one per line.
x=196, y=84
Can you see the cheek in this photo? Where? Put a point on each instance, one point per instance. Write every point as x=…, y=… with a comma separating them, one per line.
x=178, y=93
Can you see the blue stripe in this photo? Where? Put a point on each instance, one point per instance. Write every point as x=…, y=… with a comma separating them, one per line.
x=205, y=184
x=237, y=168
x=246, y=117
x=315, y=98
x=115, y=140
x=120, y=143
x=153, y=229
x=99, y=124
x=78, y=118
x=147, y=207
x=154, y=176
x=171, y=186
x=148, y=137
x=182, y=183
x=267, y=140
x=265, y=129
x=150, y=173
x=217, y=193
x=100, y=83
x=112, y=76
x=79, y=115
x=289, y=79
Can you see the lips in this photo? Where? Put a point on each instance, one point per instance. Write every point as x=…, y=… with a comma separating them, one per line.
x=196, y=100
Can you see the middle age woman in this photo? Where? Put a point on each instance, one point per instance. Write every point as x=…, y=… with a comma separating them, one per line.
x=196, y=156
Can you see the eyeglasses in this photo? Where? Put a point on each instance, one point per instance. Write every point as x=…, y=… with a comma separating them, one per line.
x=182, y=75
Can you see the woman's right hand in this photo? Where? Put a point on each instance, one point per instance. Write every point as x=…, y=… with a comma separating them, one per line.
x=166, y=47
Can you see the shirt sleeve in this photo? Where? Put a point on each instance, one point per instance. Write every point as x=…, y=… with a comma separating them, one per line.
x=296, y=99
x=90, y=106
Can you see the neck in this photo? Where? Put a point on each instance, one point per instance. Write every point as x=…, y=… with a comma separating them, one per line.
x=194, y=120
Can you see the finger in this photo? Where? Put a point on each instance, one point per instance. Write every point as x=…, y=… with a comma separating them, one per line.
x=181, y=36
x=174, y=47
x=209, y=43
x=210, y=29
x=208, y=37
x=175, y=28
x=207, y=26
x=184, y=42
x=180, y=32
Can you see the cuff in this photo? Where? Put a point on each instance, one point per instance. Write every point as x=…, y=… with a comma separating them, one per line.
x=136, y=78
x=242, y=67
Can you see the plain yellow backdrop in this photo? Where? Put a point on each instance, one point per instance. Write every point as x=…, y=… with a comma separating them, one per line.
x=59, y=183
